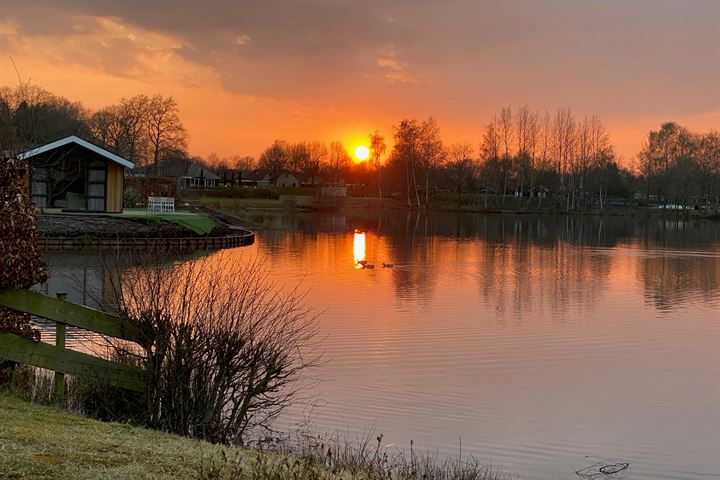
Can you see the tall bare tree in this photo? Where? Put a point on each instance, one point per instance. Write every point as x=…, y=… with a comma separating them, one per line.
x=544, y=164
x=243, y=163
x=317, y=157
x=377, y=150
x=526, y=132
x=431, y=152
x=275, y=157
x=298, y=157
x=490, y=154
x=506, y=130
x=406, y=154
x=564, y=141
x=338, y=161
x=461, y=167
x=166, y=133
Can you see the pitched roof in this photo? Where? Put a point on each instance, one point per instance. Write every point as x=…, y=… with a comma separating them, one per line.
x=259, y=174
x=83, y=143
x=197, y=170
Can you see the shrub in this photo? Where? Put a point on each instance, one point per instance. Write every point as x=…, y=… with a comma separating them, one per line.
x=222, y=346
x=21, y=263
x=130, y=198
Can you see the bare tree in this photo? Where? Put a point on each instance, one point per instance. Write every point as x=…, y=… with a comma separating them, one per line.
x=564, y=141
x=166, y=134
x=431, y=151
x=406, y=154
x=460, y=167
x=222, y=345
x=338, y=161
x=505, y=129
x=601, y=155
x=526, y=131
x=377, y=150
x=708, y=156
x=533, y=138
x=243, y=163
x=490, y=155
x=317, y=156
x=275, y=157
x=545, y=148
x=36, y=116
x=107, y=130
x=298, y=157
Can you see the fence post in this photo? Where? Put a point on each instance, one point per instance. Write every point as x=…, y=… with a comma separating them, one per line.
x=60, y=345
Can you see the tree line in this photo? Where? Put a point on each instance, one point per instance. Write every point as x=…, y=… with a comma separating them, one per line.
x=144, y=129
x=533, y=157
x=522, y=155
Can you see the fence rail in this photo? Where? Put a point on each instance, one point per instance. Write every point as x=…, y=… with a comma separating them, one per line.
x=58, y=358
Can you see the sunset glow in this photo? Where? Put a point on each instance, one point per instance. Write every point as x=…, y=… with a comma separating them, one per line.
x=488, y=221
x=362, y=153
x=240, y=84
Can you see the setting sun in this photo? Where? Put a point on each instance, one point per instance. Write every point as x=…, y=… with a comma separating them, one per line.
x=362, y=153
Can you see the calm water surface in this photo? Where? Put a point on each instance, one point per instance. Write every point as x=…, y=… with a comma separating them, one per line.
x=544, y=344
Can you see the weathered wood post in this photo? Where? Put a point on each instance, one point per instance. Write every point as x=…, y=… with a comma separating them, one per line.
x=60, y=345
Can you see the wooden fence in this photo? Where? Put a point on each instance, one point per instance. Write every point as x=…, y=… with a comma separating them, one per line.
x=58, y=358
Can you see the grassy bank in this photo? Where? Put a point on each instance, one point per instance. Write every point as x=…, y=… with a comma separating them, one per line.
x=444, y=202
x=43, y=442
x=38, y=441
x=200, y=224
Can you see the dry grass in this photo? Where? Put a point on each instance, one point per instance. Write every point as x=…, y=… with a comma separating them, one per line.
x=43, y=442
x=38, y=441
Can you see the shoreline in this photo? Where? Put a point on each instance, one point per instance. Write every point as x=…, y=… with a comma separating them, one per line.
x=225, y=206
x=102, y=231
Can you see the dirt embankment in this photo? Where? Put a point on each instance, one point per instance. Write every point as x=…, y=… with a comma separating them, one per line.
x=97, y=226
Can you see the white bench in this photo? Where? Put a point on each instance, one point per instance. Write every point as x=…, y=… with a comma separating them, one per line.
x=161, y=204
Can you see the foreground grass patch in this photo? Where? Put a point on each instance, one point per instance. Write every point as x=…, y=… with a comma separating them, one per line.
x=38, y=441
x=43, y=442
x=199, y=224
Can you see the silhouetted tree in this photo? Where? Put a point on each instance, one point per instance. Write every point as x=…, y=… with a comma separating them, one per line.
x=460, y=167
x=275, y=157
x=377, y=150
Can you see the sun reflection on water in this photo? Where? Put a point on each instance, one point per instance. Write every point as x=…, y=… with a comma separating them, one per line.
x=359, y=248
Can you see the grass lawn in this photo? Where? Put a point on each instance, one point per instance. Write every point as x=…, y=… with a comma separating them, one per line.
x=200, y=224
x=259, y=203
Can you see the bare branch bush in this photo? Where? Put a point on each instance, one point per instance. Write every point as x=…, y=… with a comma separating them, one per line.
x=222, y=345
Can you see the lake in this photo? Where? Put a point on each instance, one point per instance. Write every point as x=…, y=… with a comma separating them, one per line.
x=541, y=344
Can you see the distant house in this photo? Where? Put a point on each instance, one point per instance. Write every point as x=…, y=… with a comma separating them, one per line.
x=286, y=179
x=199, y=177
x=334, y=191
x=257, y=178
x=73, y=174
x=311, y=180
x=264, y=178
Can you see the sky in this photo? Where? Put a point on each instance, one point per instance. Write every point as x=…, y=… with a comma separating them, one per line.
x=245, y=73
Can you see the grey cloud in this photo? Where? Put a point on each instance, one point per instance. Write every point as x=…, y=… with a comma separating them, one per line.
x=539, y=49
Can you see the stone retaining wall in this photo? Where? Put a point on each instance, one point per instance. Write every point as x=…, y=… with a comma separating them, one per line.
x=184, y=243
